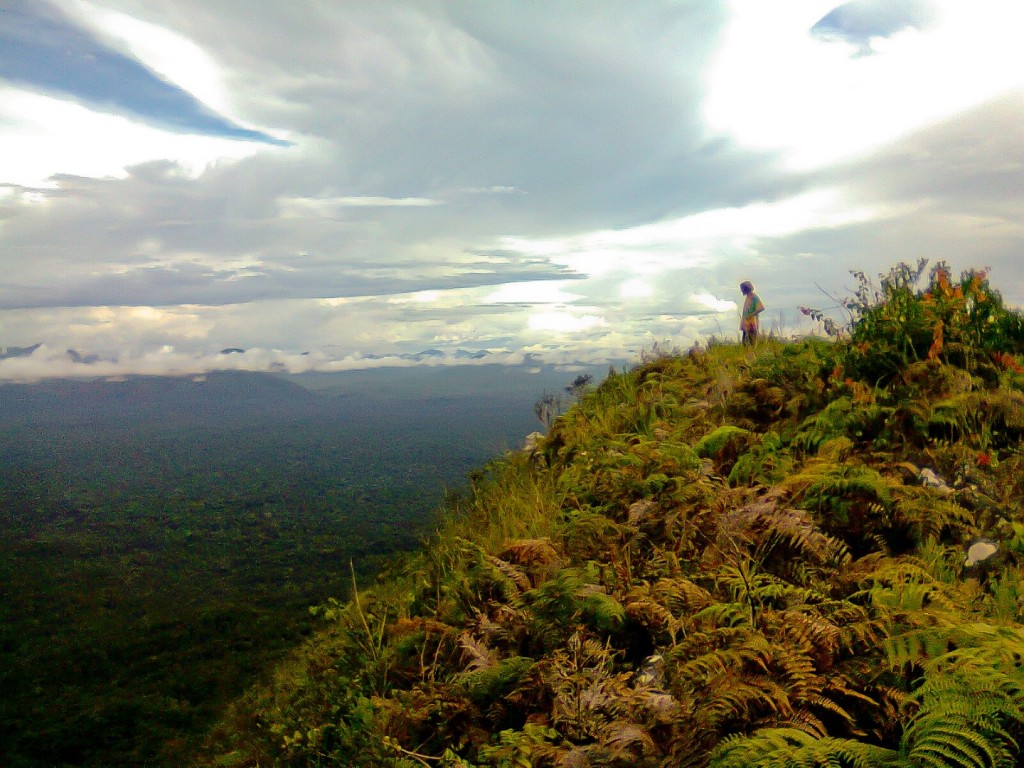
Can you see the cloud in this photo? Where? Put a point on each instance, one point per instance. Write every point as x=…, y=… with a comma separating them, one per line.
x=552, y=179
x=330, y=206
x=777, y=87
x=44, y=49
x=953, y=191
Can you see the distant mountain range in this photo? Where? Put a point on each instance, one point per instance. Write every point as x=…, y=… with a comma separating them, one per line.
x=18, y=351
x=88, y=358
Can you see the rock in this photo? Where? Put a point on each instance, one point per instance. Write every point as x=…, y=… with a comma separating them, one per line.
x=984, y=558
x=931, y=480
x=532, y=441
x=979, y=552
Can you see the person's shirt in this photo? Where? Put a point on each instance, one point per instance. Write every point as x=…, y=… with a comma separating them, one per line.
x=752, y=307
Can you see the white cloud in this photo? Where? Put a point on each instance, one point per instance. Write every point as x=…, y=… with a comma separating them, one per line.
x=539, y=292
x=563, y=322
x=694, y=241
x=44, y=136
x=635, y=289
x=774, y=86
x=714, y=303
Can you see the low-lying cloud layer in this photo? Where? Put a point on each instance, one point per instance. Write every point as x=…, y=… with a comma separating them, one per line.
x=347, y=185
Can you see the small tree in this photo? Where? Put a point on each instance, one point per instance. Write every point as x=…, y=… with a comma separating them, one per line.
x=579, y=386
x=867, y=296
x=895, y=324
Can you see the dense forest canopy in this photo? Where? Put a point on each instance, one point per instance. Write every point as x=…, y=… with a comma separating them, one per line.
x=802, y=553
x=161, y=540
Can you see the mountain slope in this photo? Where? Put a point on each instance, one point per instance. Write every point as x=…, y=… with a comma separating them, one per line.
x=734, y=557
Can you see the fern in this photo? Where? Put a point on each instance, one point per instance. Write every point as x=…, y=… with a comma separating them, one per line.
x=825, y=425
x=521, y=749
x=766, y=463
x=966, y=709
x=720, y=442
x=485, y=684
x=792, y=747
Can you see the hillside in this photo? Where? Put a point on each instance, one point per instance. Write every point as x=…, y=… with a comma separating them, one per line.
x=730, y=557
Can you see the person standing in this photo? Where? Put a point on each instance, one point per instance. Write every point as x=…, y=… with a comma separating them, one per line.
x=752, y=307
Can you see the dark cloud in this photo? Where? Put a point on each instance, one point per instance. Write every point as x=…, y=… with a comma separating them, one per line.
x=43, y=49
x=9, y=352
x=593, y=114
x=971, y=163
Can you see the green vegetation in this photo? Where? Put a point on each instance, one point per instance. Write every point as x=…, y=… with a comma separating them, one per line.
x=731, y=557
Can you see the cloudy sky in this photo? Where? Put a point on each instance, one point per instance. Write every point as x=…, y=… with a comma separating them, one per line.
x=333, y=184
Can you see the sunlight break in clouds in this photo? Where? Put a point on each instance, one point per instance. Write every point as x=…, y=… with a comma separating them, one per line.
x=297, y=207
x=170, y=55
x=774, y=86
x=563, y=322
x=45, y=136
x=714, y=303
x=545, y=292
x=692, y=241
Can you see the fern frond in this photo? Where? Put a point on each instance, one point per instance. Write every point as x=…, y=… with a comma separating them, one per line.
x=681, y=596
x=810, y=632
x=948, y=740
x=906, y=598
x=791, y=747
x=487, y=684
x=801, y=719
x=531, y=553
x=826, y=704
x=770, y=530
x=733, y=697
x=649, y=613
x=799, y=672
x=722, y=615
x=621, y=736
x=914, y=646
x=512, y=574
x=929, y=515
x=477, y=654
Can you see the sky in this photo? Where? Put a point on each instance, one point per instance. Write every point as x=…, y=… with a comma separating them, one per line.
x=334, y=184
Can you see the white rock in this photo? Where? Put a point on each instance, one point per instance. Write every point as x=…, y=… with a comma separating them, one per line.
x=532, y=440
x=930, y=480
x=980, y=551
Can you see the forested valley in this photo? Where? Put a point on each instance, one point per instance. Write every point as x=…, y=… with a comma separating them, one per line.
x=162, y=540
